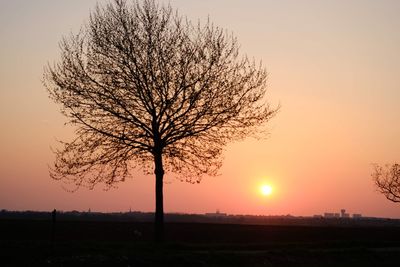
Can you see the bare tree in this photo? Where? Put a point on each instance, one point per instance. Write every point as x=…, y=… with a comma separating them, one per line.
x=387, y=180
x=147, y=88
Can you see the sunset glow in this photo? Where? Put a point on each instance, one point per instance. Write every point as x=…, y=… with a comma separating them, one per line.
x=266, y=190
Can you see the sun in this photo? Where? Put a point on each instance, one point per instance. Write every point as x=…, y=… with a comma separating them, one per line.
x=266, y=190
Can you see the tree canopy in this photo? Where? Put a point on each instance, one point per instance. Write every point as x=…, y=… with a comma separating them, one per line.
x=387, y=181
x=138, y=77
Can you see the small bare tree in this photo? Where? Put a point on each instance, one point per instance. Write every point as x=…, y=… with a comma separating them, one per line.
x=147, y=88
x=387, y=180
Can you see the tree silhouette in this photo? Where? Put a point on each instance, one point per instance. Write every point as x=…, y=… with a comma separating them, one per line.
x=146, y=88
x=387, y=180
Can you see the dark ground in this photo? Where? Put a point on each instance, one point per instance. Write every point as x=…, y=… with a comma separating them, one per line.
x=84, y=243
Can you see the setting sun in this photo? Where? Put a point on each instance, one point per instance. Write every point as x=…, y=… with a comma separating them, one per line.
x=266, y=190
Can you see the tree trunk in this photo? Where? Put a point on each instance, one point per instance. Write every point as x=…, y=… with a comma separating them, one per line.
x=159, y=216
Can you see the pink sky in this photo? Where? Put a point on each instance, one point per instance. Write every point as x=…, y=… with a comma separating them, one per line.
x=333, y=66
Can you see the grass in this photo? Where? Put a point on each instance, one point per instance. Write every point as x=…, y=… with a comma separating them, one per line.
x=27, y=243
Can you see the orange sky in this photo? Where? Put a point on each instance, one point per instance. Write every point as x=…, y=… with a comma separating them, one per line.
x=333, y=66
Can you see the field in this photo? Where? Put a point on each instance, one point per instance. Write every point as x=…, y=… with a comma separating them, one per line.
x=96, y=243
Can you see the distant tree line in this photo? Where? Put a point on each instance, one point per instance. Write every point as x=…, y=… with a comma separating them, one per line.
x=148, y=217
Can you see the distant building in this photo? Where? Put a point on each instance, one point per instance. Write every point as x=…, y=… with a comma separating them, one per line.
x=335, y=215
x=357, y=216
x=318, y=216
x=216, y=214
x=343, y=214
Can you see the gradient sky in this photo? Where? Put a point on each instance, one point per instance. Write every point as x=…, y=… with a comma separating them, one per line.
x=334, y=66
